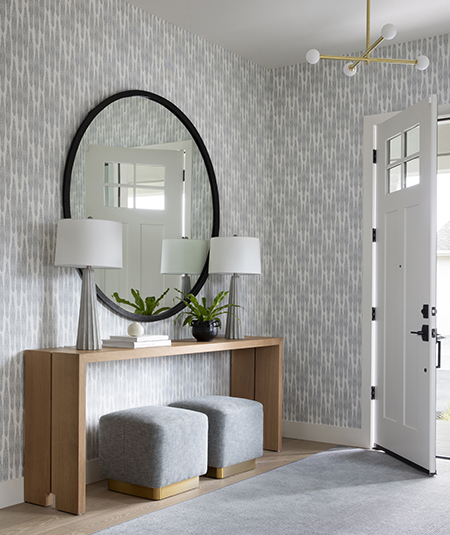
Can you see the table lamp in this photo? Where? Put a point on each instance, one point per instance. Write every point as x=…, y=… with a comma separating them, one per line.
x=88, y=244
x=183, y=257
x=235, y=255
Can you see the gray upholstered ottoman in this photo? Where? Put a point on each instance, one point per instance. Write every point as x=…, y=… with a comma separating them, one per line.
x=153, y=452
x=235, y=432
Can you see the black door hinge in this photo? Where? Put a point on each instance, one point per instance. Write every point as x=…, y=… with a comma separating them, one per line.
x=372, y=392
x=374, y=313
x=374, y=235
x=374, y=158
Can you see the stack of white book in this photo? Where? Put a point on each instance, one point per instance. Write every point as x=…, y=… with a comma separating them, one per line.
x=145, y=340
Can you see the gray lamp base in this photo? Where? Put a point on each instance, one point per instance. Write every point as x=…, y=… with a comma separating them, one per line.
x=233, y=325
x=186, y=284
x=88, y=326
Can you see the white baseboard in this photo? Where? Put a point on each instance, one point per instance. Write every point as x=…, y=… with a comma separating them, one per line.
x=11, y=492
x=344, y=436
x=92, y=472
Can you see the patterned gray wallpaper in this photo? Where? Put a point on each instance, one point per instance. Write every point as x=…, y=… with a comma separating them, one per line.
x=287, y=150
x=58, y=60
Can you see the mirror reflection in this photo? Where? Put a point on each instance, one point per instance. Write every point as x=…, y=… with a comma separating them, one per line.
x=137, y=163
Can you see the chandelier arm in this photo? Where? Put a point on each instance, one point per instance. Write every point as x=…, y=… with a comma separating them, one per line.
x=388, y=31
x=367, y=52
x=372, y=60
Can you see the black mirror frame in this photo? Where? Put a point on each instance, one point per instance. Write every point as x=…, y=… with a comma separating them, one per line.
x=212, y=181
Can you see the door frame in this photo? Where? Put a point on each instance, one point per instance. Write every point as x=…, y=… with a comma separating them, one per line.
x=368, y=340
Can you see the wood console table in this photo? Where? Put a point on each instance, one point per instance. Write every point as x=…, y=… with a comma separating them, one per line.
x=55, y=407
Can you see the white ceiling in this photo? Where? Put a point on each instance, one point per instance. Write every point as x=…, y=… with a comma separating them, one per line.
x=276, y=33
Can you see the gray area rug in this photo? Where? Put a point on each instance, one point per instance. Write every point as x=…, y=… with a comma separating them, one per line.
x=339, y=491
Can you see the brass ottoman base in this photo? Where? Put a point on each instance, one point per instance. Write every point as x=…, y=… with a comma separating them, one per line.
x=150, y=493
x=227, y=471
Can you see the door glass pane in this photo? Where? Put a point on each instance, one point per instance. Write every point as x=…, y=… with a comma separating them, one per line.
x=412, y=141
x=394, y=149
x=110, y=173
x=412, y=173
x=150, y=175
x=150, y=199
x=119, y=173
x=111, y=196
x=118, y=197
x=395, y=179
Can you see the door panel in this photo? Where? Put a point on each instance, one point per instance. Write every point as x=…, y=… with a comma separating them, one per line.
x=406, y=272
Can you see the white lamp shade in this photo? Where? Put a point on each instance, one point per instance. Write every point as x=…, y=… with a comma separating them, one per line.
x=88, y=242
x=235, y=255
x=183, y=256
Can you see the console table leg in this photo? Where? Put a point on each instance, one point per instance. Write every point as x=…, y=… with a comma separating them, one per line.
x=269, y=392
x=256, y=373
x=242, y=384
x=37, y=455
x=69, y=433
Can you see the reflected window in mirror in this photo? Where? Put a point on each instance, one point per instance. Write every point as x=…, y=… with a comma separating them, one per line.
x=130, y=185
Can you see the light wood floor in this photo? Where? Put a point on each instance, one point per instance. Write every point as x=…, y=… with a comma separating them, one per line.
x=105, y=508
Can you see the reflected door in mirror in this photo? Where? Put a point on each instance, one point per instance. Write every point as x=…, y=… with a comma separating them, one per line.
x=144, y=189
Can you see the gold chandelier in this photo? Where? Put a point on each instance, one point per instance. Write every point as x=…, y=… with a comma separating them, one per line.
x=388, y=32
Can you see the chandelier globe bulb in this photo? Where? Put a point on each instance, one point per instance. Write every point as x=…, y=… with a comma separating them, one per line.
x=388, y=31
x=422, y=63
x=349, y=72
x=313, y=56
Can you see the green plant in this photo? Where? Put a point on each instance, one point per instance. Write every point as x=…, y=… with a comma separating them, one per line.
x=200, y=312
x=445, y=415
x=147, y=306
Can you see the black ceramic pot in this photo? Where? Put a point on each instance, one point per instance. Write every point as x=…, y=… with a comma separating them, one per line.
x=205, y=331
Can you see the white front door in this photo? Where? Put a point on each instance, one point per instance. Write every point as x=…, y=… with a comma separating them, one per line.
x=405, y=376
x=142, y=188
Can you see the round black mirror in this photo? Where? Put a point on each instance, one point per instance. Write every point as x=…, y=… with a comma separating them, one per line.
x=116, y=169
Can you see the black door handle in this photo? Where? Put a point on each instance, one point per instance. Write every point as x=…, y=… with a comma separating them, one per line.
x=424, y=333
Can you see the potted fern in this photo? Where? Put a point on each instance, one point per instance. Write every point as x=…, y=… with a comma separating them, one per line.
x=147, y=306
x=203, y=319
